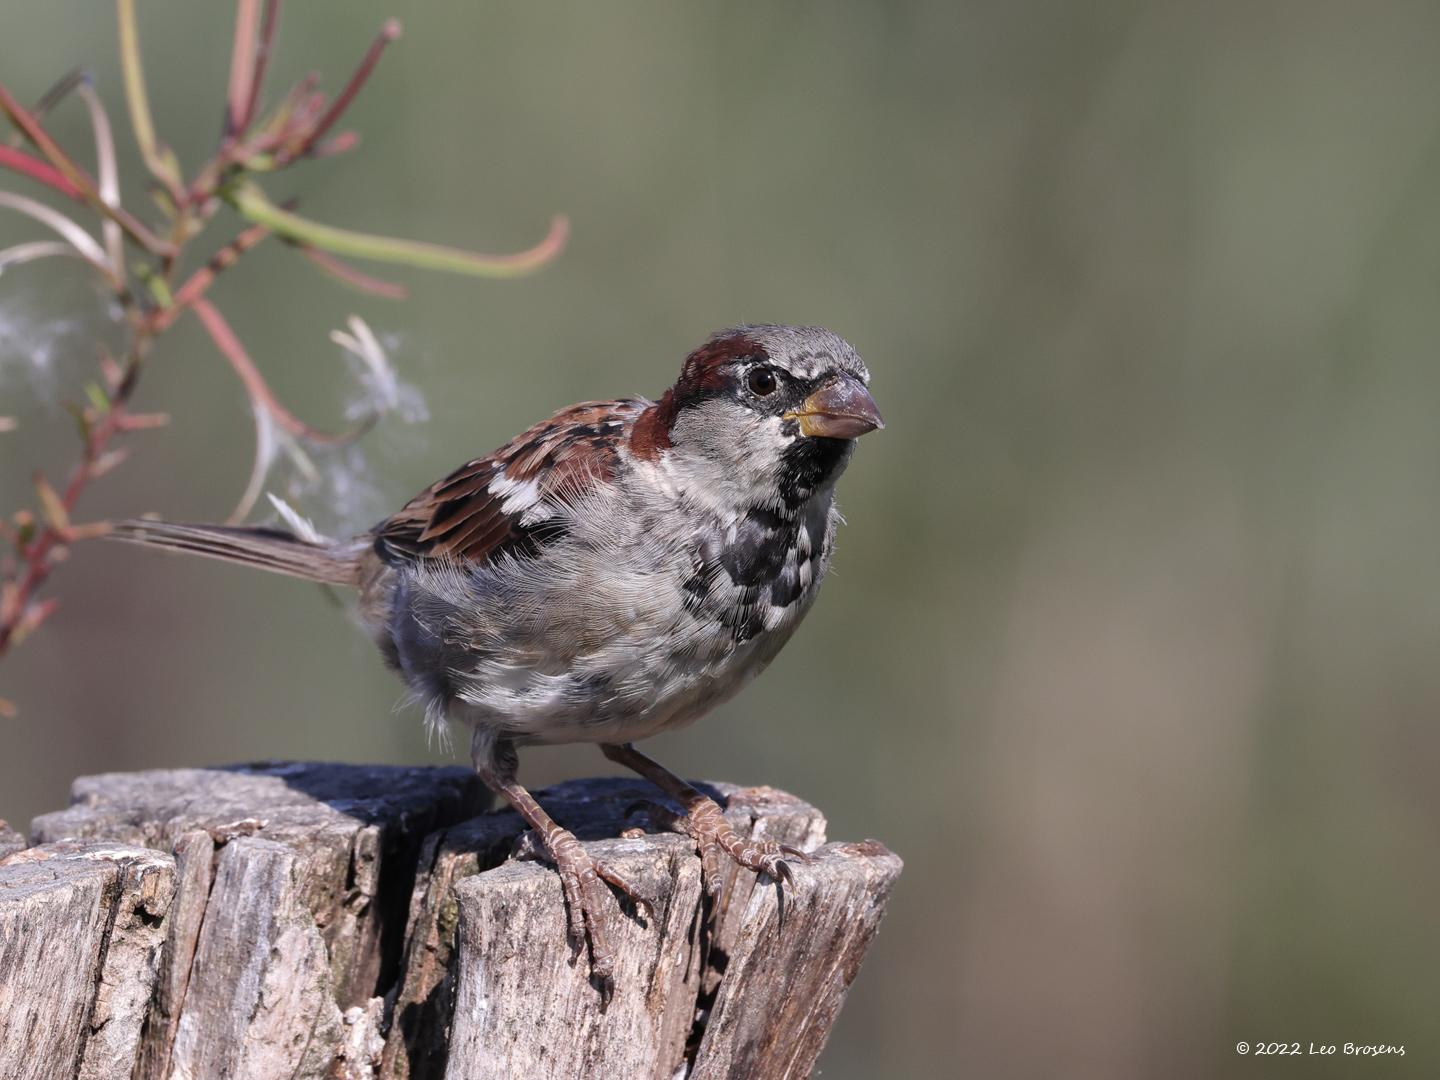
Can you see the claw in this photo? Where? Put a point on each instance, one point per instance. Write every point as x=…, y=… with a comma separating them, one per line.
x=710, y=875
x=644, y=906
x=586, y=900
x=713, y=835
x=602, y=963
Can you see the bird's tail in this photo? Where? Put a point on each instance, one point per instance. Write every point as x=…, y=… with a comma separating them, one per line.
x=281, y=552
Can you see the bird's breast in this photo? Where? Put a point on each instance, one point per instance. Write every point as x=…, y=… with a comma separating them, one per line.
x=625, y=627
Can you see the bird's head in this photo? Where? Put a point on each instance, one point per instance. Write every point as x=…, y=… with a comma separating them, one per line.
x=766, y=415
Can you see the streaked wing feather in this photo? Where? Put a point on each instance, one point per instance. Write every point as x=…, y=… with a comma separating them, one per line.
x=483, y=509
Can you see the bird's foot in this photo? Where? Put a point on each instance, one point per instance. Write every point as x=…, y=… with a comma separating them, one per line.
x=587, y=903
x=705, y=823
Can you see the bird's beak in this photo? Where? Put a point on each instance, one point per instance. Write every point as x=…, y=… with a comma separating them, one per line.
x=841, y=409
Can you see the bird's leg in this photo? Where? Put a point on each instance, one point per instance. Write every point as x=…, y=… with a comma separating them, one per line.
x=704, y=821
x=580, y=873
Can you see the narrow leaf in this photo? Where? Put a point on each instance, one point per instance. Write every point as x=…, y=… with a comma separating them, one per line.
x=58, y=92
x=253, y=204
x=114, y=374
x=141, y=421
x=136, y=230
x=42, y=171
x=50, y=505
x=78, y=238
x=109, y=176
x=24, y=527
x=48, y=100
x=242, y=67
x=259, y=464
x=20, y=254
x=132, y=71
x=339, y=144
x=388, y=33
x=160, y=290
x=356, y=279
x=84, y=419
x=90, y=531
x=262, y=57
x=97, y=397
x=107, y=461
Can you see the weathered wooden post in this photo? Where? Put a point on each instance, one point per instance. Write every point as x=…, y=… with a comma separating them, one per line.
x=312, y=920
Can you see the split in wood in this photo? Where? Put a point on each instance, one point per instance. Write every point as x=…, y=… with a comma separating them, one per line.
x=359, y=922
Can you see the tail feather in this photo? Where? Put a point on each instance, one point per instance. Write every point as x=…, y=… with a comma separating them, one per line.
x=281, y=552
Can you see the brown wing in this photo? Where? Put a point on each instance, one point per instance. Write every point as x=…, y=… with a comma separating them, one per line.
x=508, y=500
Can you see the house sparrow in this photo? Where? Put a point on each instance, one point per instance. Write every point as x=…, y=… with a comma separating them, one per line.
x=615, y=571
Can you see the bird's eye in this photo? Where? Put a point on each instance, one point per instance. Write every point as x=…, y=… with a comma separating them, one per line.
x=761, y=381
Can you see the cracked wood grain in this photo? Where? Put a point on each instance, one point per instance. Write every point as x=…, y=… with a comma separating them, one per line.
x=294, y=883
x=79, y=943
x=359, y=923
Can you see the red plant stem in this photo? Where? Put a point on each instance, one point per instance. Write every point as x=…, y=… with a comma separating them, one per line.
x=255, y=384
x=82, y=180
x=242, y=67
x=262, y=58
x=33, y=167
x=388, y=33
x=116, y=421
x=37, y=553
x=196, y=284
x=358, y=279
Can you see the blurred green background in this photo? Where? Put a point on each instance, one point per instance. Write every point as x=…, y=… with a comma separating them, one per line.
x=1131, y=647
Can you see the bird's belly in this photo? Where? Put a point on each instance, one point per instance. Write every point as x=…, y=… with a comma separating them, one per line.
x=595, y=644
x=627, y=691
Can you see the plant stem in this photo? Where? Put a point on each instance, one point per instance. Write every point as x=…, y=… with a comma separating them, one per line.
x=22, y=119
x=132, y=71
x=252, y=203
